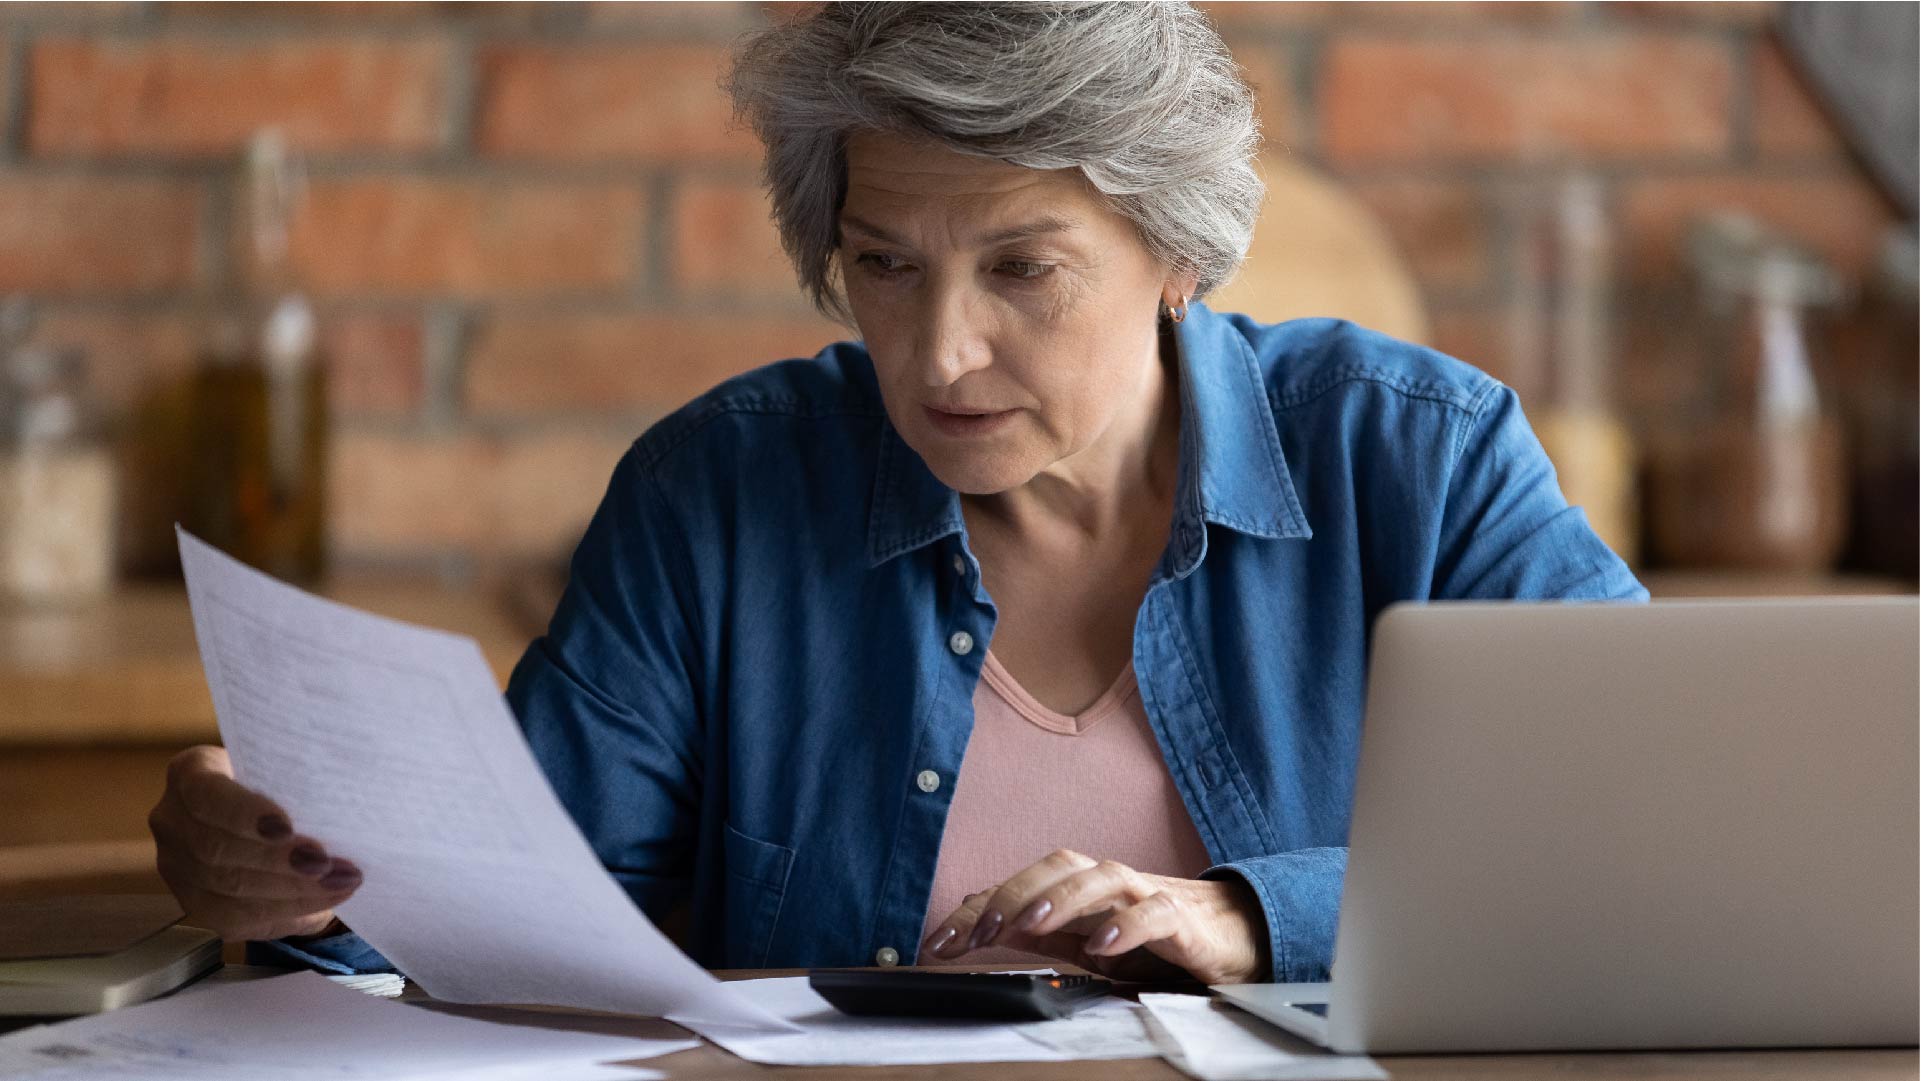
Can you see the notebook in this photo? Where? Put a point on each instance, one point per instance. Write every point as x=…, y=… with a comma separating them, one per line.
x=65, y=986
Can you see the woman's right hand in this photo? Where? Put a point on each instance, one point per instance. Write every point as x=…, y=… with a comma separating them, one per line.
x=232, y=859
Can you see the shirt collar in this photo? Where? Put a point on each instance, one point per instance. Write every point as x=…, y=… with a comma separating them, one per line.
x=1232, y=472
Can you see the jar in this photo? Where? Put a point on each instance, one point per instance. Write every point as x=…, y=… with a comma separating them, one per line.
x=58, y=488
x=1756, y=479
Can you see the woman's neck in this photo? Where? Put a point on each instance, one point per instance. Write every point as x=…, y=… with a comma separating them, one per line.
x=1115, y=484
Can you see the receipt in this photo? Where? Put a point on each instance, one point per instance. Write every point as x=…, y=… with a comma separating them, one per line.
x=391, y=745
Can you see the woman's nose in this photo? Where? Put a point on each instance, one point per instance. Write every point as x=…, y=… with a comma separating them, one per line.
x=952, y=339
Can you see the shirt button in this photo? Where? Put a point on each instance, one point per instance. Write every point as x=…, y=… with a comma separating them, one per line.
x=960, y=566
x=887, y=957
x=961, y=643
x=928, y=780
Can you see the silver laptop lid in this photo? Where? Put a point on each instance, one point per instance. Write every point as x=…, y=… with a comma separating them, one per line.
x=1687, y=824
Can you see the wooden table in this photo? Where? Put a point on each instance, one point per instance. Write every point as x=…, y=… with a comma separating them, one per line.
x=710, y=1062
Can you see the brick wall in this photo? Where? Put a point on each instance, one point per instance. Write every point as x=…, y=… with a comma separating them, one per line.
x=532, y=228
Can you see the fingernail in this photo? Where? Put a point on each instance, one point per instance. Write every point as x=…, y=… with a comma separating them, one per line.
x=1035, y=914
x=341, y=878
x=1103, y=940
x=308, y=860
x=274, y=827
x=942, y=940
x=985, y=931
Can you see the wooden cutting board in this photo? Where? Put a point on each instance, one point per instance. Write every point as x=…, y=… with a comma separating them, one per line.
x=1318, y=251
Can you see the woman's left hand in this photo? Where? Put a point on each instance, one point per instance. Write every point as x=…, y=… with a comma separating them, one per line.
x=1110, y=919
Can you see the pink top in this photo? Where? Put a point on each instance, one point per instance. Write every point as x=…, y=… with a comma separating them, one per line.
x=1034, y=780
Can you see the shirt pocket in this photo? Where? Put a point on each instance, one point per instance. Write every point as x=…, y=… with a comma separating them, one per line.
x=756, y=883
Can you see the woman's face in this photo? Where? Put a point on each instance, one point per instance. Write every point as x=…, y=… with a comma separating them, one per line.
x=1010, y=314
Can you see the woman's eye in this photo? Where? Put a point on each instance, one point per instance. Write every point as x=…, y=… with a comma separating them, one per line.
x=880, y=263
x=1025, y=270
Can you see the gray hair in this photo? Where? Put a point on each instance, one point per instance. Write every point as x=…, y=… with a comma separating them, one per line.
x=1142, y=98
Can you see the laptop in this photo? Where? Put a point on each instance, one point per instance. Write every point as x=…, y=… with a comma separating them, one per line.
x=1594, y=826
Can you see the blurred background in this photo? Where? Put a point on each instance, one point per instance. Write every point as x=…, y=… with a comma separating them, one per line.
x=375, y=294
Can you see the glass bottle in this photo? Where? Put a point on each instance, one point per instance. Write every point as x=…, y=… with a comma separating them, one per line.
x=1563, y=355
x=260, y=431
x=1758, y=482
x=58, y=486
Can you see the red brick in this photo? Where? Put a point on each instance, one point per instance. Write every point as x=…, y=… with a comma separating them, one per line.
x=129, y=354
x=679, y=16
x=1735, y=13
x=89, y=13
x=374, y=362
x=1442, y=227
x=647, y=363
x=1482, y=335
x=488, y=498
x=199, y=97
x=1496, y=99
x=546, y=488
x=374, y=359
x=1665, y=364
x=70, y=233
x=609, y=102
x=1246, y=15
x=360, y=13
x=421, y=234
x=725, y=240
x=398, y=493
x=1787, y=121
x=1269, y=73
x=1655, y=361
x=1254, y=15
x=1453, y=13
x=1838, y=214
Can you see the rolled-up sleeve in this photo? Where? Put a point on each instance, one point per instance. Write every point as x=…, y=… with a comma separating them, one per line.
x=1507, y=532
x=1300, y=897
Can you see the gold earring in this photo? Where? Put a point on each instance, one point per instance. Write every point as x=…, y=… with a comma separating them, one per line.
x=1175, y=315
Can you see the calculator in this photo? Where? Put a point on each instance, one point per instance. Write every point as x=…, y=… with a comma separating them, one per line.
x=985, y=996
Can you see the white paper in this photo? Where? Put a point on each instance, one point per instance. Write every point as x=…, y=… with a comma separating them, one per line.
x=832, y=1038
x=392, y=746
x=1107, y=1030
x=303, y=1028
x=1216, y=1042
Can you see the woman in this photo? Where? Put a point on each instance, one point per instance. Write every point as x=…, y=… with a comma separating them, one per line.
x=836, y=644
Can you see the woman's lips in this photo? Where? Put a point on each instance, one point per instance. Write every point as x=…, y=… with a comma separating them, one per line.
x=966, y=424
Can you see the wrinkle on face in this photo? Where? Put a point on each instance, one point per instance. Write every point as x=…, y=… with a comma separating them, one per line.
x=940, y=296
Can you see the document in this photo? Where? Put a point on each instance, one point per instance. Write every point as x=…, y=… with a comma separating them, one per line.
x=1216, y=1042
x=1105, y=1030
x=392, y=746
x=301, y=1027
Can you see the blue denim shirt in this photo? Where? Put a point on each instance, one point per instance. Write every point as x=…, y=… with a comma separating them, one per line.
x=766, y=637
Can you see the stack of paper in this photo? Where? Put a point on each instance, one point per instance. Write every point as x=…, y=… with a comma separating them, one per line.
x=302, y=1027
x=377, y=984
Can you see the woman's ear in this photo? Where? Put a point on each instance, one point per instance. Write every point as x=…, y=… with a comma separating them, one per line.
x=1179, y=288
